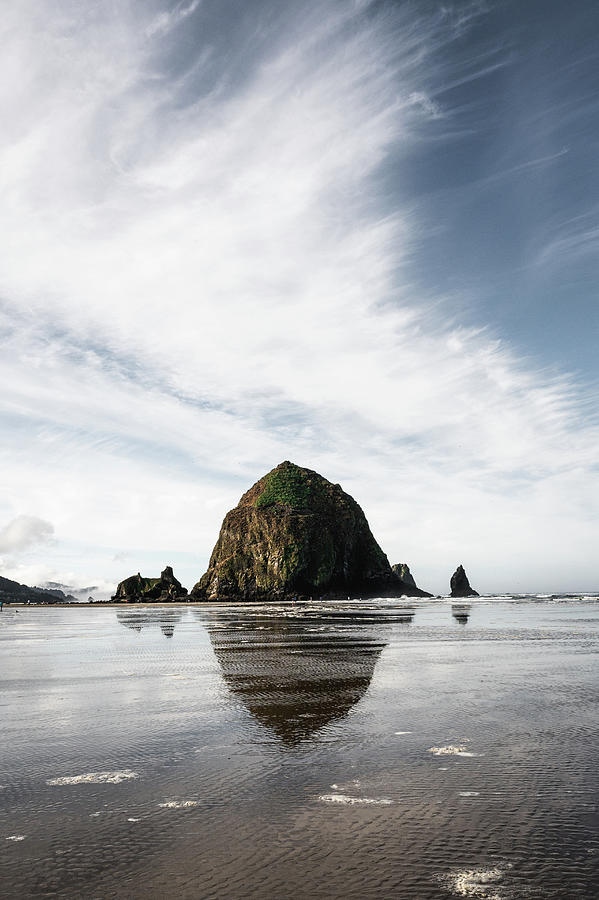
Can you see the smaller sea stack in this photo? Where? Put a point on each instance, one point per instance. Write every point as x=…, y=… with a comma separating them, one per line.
x=402, y=570
x=459, y=584
x=138, y=589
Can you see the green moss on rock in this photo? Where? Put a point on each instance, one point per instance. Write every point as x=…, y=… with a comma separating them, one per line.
x=285, y=485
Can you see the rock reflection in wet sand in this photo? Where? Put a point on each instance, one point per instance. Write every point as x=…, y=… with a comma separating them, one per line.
x=294, y=682
x=137, y=619
x=461, y=613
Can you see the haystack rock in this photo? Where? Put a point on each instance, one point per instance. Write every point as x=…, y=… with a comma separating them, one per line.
x=295, y=534
x=138, y=589
x=459, y=584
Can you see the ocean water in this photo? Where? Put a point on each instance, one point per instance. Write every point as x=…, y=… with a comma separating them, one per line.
x=380, y=749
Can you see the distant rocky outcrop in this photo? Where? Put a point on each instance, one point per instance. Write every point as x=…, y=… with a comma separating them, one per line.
x=138, y=589
x=402, y=570
x=459, y=584
x=296, y=534
x=13, y=592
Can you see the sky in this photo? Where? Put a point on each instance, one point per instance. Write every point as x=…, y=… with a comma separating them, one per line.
x=361, y=235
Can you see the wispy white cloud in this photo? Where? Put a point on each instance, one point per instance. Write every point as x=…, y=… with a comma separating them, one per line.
x=167, y=20
x=428, y=106
x=571, y=242
x=196, y=287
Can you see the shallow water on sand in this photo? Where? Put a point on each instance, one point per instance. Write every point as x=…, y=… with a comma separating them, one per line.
x=353, y=750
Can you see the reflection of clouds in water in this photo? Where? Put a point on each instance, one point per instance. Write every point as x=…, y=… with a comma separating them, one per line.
x=295, y=674
x=138, y=619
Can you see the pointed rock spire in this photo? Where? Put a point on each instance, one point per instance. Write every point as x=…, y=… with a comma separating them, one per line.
x=459, y=584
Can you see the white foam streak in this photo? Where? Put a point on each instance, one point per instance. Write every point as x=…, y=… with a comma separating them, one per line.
x=451, y=750
x=115, y=777
x=179, y=804
x=345, y=800
x=477, y=883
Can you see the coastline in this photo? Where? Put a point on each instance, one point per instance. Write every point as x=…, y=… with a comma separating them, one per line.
x=401, y=600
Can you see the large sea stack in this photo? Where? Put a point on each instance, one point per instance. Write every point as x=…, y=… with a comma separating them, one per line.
x=296, y=534
x=459, y=584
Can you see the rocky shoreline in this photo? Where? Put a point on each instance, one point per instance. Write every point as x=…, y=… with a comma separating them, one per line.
x=293, y=536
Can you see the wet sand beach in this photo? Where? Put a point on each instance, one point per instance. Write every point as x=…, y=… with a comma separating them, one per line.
x=375, y=749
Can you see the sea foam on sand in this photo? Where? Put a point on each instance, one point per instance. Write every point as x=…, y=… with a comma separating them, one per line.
x=179, y=804
x=479, y=883
x=451, y=750
x=355, y=801
x=95, y=778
